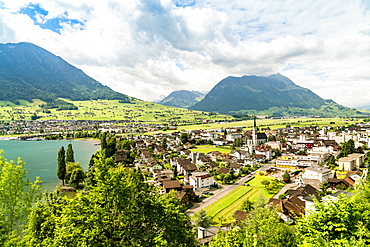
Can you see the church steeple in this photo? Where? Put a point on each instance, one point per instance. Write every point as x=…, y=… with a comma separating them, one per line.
x=254, y=132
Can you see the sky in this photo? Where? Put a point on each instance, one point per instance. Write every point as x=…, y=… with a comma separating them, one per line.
x=149, y=48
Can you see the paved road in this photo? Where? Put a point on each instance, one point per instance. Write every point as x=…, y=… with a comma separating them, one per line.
x=226, y=189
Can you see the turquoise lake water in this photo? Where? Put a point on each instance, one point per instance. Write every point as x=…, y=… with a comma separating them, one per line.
x=41, y=157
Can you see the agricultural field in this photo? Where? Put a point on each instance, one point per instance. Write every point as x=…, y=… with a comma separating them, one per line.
x=209, y=148
x=135, y=111
x=277, y=123
x=226, y=206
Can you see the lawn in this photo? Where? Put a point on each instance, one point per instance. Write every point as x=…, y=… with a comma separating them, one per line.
x=226, y=206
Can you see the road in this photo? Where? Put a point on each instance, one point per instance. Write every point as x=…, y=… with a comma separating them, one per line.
x=226, y=189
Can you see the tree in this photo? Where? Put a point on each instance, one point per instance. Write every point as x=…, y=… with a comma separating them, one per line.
x=286, y=176
x=184, y=138
x=17, y=194
x=70, y=154
x=103, y=141
x=74, y=168
x=202, y=219
x=61, y=170
x=262, y=227
x=323, y=190
x=120, y=209
x=238, y=142
x=77, y=176
x=247, y=205
x=111, y=147
x=164, y=143
x=342, y=222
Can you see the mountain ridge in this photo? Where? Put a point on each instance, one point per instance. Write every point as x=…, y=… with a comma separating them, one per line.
x=270, y=95
x=182, y=98
x=30, y=72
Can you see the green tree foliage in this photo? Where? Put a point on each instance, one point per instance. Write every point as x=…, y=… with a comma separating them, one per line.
x=342, y=222
x=247, y=205
x=286, y=176
x=202, y=219
x=347, y=148
x=61, y=170
x=238, y=142
x=111, y=147
x=121, y=210
x=70, y=154
x=323, y=190
x=262, y=227
x=74, y=173
x=126, y=145
x=103, y=141
x=184, y=138
x=17, y=194
x=164, y=143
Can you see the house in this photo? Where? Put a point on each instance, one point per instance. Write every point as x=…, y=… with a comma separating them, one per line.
x=201, y=180
x=170, y=185
x=211, y=166
x=121, y=156
x=240, y=215
x=347, y=163
x=321, y=174
x=264, y=150
x=239, y=154
x=334, y=182
x=236, y=167
x=224, y=170
x=290, y=208
x=188, y=169
x=359, y=159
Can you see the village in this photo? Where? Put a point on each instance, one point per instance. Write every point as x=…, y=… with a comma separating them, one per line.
x=321, y=162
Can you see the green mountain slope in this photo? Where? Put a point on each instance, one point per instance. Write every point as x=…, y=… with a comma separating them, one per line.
x=30, y=72
x=182, y=98
x=272, y=95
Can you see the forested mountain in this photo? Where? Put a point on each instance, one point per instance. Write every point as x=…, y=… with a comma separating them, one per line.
x=182, y=98
x=274, y=94
x=30, y=72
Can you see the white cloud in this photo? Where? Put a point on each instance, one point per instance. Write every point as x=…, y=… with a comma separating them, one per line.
x=135, y=47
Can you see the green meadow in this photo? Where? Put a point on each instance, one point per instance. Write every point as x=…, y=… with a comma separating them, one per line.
x=136, y=111
x=209, y=148
x=227, y=205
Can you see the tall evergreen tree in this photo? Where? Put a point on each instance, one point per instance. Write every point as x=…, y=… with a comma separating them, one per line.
x=61, y=170
x=70, y=154
x=103, y=141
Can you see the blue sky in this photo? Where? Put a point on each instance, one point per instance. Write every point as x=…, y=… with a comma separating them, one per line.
x=149, y=48
x=40, y=18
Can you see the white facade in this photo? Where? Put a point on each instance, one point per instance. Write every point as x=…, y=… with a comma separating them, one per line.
x=200, y=180
x=321, y=174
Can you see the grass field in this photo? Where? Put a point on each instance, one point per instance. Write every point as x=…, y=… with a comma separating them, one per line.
x=226, y=206
x=142, y=111
x=208, y=148
x=109, y=110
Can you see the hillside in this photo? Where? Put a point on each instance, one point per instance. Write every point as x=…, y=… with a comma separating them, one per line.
x=182, y=98
x=30, y=72
x=272, y=95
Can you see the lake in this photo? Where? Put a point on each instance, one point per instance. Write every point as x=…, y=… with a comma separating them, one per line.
x=41, y=157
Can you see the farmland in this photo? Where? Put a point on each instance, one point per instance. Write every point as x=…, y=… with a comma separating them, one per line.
x=103, y=110
x=226, y=206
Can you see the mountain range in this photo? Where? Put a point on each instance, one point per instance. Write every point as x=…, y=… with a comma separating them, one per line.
x=269, y=95
x=30, y=72
x=182, y=98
